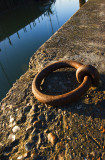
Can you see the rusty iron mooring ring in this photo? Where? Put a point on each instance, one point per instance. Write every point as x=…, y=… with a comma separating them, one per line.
x=83, y=73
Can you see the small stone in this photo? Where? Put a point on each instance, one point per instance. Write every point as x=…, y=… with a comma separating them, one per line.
x=60, y=157
x=9, y=106
x=12, y=124
x=20, y=157
x=11, y=137
x=59, y=111
x=40, y=106
x=46, y=131
x=16, y=129
x=103, y=155
x=39, y=141
x=32, y=100
x=11, y=119
x=26, y=154
x=1, y=144
x=3, y=106
x=28, y=146
x=59, y=146
x=19, y=116
x=93, y=153
x=52, y=138
x=34, y=155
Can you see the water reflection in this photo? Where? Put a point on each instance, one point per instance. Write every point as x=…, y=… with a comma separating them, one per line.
x=14, y=23
x=81, y=2
x=13, y=20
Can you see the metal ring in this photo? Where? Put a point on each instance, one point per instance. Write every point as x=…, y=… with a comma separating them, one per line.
x=63, y=98
x=90, y=71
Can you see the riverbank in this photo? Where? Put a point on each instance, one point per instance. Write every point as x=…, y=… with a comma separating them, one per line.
x=78, y=128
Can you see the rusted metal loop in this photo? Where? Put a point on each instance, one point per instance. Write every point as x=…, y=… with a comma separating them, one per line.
x=90, y=71
x=64, y=98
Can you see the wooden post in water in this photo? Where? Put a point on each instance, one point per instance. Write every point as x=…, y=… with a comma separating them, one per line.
x=81, y=2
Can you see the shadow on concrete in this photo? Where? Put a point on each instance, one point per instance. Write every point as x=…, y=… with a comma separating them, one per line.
x=91, y=104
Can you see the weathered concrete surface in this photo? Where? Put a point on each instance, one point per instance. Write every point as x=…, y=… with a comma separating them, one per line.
x=78, y=129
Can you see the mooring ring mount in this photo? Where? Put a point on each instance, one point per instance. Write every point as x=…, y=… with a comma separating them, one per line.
x=86, y=74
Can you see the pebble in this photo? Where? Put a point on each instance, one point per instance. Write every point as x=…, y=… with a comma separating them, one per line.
x=12, y=124
x=9, y=106
x=32, y=100
x=92, y=153
x=52, y=138
x=20, y=157
x=60, y=157
x=11, y=137
x=11, y=119
x=39, y=141
x=19, y=115
x=46, y=131
x=28, y=146
x=1, y=144
x=34, y=155
x=59, y=111
x=59, y=146
x=16, y=129
x=26, y=154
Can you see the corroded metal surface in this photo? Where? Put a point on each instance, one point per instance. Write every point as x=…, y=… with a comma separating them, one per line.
x=85, y=72
x=88, y=70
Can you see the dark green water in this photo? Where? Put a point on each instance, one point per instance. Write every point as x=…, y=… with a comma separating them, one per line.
x=23, y=30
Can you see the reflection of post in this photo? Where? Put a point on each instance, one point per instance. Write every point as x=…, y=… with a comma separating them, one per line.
x=38, y=20
x=6, y=76
x=10, y=41
x=24, y=29
x=30, y=26
x=81, y=2
x=57, y=17
x=18, y=35
x=34, y=23
x=51, y=24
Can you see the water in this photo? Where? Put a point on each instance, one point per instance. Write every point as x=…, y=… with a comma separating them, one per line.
x=23, y=29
